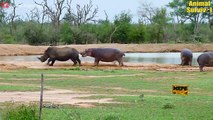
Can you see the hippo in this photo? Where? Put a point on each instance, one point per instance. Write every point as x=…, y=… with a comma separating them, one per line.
x=60, y=54
x=186, y=57
x=205, y=59
x=105, y=55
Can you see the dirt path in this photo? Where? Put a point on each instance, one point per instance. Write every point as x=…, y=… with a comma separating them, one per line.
x=56, y=96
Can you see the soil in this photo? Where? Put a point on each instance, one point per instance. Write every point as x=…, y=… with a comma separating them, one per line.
x=50, y=99
x=73, y=97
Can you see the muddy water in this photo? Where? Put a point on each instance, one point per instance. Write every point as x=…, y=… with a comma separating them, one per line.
x=163, y=58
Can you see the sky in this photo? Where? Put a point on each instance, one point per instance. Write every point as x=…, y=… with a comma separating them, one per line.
x=112, y=7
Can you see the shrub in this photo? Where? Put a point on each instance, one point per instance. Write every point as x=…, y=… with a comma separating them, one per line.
x=22, y=112
x=34, y=35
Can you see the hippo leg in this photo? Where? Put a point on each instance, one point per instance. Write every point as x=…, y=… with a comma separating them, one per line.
x=190, y=63
x=96, y=61
x=201, y=68
x=120, y=61
x=182, y=62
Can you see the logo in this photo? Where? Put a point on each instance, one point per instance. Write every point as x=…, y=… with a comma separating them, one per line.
x=5, y=4
x=199, y=6
x=180, y=89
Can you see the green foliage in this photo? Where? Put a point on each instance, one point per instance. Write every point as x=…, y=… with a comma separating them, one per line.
x=137, y=34
x=122, y=22
x=34, y=35
x=104, y=29
x=160, y=20
x=67, y=34
x=22, y=112
x=7, y=38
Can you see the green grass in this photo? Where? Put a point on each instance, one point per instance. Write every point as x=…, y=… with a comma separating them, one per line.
x=145, y=96
x=18, y=88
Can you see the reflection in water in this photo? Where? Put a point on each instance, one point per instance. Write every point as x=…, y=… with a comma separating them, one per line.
x=164, y=58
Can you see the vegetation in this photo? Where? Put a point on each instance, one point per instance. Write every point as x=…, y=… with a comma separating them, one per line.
x=20, y=112
x=80, y=26
x=147, y=95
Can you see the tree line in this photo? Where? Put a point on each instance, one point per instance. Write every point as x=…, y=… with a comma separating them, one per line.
x=80, y=26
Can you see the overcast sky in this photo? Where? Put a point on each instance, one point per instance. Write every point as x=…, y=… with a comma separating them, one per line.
x=112, y=7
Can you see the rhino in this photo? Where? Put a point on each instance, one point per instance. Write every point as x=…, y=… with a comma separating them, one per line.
x=60, y=54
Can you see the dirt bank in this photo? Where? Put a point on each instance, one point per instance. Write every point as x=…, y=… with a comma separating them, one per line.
x=14, y=49
x=105, y=66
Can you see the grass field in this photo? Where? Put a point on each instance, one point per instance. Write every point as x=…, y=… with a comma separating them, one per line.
x=141, y=95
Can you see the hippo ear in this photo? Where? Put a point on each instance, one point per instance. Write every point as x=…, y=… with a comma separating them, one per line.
x=39, y=58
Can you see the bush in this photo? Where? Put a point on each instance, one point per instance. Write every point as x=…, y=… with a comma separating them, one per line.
x=34, y=35
x=22, y=112
x=66, y=34
x=7, y=39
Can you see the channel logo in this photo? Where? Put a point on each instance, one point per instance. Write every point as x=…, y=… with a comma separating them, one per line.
x=5, y=4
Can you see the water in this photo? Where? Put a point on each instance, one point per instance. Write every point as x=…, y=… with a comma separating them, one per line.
x=163, y=58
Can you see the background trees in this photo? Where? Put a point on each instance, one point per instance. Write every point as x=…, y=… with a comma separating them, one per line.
x=46, y=24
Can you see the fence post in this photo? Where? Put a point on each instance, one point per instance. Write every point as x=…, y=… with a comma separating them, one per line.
x=41, y=96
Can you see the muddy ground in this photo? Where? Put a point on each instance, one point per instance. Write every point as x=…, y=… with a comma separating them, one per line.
x=72, y=97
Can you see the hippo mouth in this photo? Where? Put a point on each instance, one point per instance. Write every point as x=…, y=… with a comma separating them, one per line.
x=83, y=54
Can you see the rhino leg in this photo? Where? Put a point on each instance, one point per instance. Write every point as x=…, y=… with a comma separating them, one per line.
x=79, y=61
x=53, y=61
x=74, y=61
x=48, y=62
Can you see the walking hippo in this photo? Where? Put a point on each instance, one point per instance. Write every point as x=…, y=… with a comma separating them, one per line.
x=105, y=55
x=60, y=54
x=205, y=59
x=186, y=57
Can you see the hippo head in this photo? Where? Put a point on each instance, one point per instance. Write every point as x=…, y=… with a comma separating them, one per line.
x=43, y=58
x=87, y=52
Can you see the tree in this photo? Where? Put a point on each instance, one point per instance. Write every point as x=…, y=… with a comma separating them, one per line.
x=146, y=13
x=66, y=34
x=54, y=14
x=104, y=31
x=196, y=18
x=82, y=15
x=137, y=33
x=34, y=35
x=122, y=24
x=156, y=19
x=3, y=4
x=12, y=16
x=160, y=21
